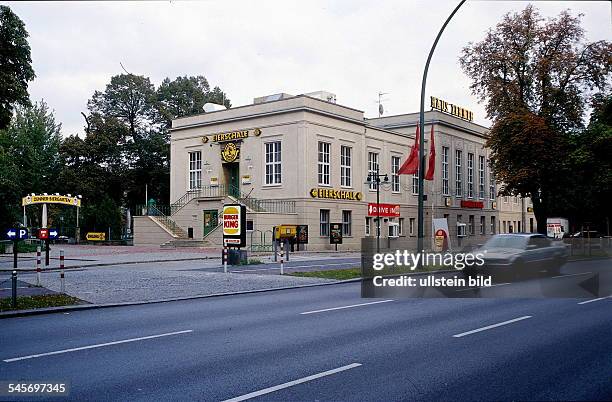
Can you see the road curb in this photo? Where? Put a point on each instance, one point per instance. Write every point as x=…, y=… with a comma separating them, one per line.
x=63, y=309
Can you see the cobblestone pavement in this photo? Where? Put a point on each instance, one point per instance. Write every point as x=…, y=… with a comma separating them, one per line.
x=154, y=281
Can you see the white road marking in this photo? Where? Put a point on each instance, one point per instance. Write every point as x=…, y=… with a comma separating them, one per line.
x=343, y=307
x=292, y=383
x=563, y=276
x=57, y=352
x=484, y=287
x=296, y=266
x=594, y=300
x=491, y=326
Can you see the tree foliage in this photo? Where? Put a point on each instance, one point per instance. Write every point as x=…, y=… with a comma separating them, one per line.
x=536, y=77
x=186, y=96
x=15, y=65
x=29, y=158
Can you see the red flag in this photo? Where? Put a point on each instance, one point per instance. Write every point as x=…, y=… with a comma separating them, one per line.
x=432, y=157
x=411, y=165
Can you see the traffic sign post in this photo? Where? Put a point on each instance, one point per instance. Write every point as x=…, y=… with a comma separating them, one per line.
x=16, y=234
x=14, y=289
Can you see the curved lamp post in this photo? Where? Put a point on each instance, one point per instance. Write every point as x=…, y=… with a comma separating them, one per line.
x=420, y=232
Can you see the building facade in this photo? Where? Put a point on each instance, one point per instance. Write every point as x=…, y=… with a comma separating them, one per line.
x=305, y=160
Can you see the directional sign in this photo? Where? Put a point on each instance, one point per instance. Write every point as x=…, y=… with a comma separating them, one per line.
x=53, y=233
x=43, y=234
x=17, y=233
x=96, y=236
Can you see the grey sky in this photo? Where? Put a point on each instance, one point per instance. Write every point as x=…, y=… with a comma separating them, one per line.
x=253, y=48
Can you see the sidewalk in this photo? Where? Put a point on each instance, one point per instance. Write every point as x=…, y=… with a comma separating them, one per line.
x=147, y=282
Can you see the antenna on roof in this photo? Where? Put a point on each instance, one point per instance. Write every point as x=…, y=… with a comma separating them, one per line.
x=380, y=106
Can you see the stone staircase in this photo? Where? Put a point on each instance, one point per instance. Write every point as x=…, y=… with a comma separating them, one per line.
x=180, y=236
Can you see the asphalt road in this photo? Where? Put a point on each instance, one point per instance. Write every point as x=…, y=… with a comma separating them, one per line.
x=320, y=343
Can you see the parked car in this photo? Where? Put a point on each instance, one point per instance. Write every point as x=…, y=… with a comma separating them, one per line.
x=519, y=255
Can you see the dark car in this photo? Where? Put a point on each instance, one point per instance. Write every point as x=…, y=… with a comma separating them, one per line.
x=517, y=255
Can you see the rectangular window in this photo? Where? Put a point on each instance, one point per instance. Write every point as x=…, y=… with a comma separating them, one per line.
x=470, y=174
x=347, y=223
x=482, y=225
x=492, y=225
x=372, y=169
x=491, y=184
x=346, y=179
x=395, y=179
x=458, y=173
x=471, y=225
x=368, y=225
x=401, y=226
x=445, y=190
x=481, y=177
x=195, y=170
x=324, y=222
x=273, y=162
x=324, y=151
x=411, y=226
x=415, y=183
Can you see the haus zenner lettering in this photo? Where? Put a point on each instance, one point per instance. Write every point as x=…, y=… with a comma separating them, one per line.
x=444, y=106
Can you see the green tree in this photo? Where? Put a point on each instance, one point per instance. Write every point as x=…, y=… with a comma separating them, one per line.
x=186, y=96
x=15, y=65
x=29, y=157
x=94, y=167
x=129, y=98
x=591, y=168
x=535, y=76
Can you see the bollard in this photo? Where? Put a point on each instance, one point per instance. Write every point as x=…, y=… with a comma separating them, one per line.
x=14, y=289
x=225, y=259
x=63, y=284
x=38, y=266
x=282, y=262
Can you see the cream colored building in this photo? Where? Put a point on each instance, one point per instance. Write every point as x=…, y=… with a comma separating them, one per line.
x=304, y=160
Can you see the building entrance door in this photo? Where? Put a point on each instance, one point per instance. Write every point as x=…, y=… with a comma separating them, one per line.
x=211, y=220
x=232, y=178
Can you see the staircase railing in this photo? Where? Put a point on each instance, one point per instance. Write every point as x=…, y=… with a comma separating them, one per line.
x=202, y=192
x=166, y=221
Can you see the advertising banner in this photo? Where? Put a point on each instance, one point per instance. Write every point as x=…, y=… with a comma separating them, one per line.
x=441, y=235
x=234, y=225
x=51, y=199
x=335, y=233
x=390, y=210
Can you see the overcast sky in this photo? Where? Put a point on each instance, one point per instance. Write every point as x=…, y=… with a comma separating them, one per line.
x=253, y=48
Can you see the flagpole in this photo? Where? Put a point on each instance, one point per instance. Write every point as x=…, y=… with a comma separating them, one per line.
x=421, y=214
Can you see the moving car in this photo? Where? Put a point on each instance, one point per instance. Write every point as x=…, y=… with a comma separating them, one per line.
x=519, y=255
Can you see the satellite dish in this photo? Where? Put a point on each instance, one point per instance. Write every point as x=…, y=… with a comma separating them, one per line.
x=380, y=109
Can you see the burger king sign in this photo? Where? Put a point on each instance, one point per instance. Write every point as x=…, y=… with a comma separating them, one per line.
x=234, y=225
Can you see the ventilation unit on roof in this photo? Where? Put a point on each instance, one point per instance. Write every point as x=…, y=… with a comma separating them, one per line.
x=271, y=98
x=213, y=107
x=323, y=95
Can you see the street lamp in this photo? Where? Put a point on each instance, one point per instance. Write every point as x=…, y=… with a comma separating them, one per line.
x=376, y=177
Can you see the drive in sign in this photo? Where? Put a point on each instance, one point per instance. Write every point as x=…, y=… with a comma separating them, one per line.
x=391, y=210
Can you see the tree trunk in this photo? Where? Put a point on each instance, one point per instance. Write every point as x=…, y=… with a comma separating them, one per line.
x=541, y=213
